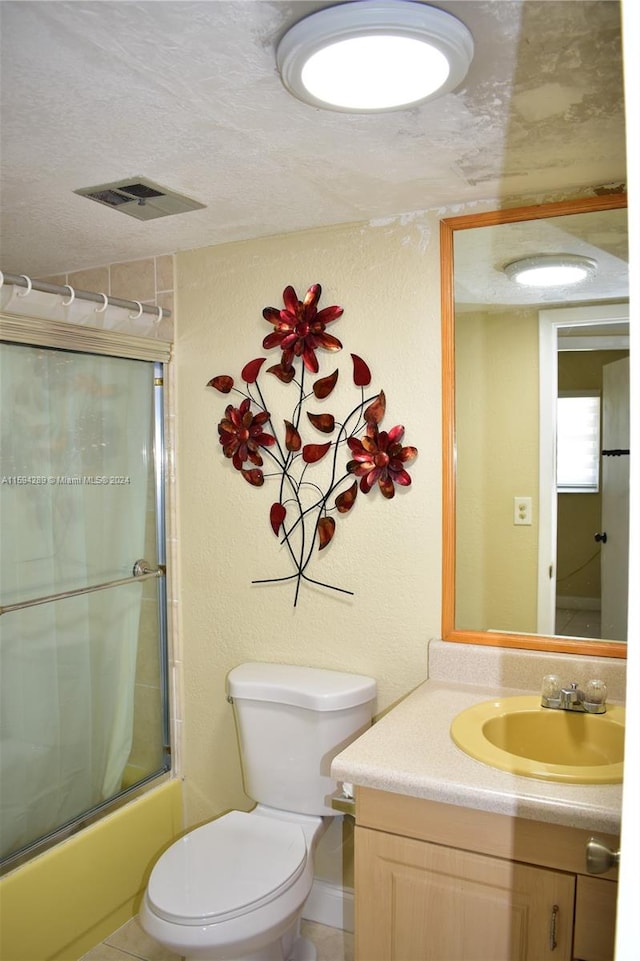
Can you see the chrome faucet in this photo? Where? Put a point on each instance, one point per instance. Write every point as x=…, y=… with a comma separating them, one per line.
x=571, y=698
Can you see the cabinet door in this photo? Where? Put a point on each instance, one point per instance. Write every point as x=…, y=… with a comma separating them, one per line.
x=595, y=930
x=417, y=901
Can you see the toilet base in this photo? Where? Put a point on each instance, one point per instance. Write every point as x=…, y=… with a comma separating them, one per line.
x=304, y=950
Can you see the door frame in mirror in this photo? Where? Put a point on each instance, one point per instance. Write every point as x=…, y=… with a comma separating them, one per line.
x=448, y=227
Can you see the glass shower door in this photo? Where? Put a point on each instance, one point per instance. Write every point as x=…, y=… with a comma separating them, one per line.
x=83, y=713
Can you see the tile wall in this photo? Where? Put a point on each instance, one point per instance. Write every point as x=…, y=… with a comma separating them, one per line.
x=150, y=281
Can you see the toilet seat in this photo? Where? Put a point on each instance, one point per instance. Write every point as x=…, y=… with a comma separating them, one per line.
x=226, y=868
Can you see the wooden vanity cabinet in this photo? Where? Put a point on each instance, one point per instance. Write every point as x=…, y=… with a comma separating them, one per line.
x=595, y=922
x=437, y=882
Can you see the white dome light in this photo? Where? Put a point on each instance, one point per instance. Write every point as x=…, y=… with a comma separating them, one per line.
x=551, y=270
x=374, y=55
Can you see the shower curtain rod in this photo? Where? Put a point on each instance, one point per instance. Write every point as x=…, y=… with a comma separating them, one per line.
x=144, y=573
x=21, y=280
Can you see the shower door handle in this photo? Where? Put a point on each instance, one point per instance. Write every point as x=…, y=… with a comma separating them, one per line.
x=142, y=568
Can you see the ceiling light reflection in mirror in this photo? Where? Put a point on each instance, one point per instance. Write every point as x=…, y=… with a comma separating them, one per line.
x=550, y=270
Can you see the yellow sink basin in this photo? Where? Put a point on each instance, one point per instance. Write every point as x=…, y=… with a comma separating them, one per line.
x=516, y=734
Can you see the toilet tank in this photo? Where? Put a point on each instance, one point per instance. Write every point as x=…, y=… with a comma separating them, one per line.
x=291, y=723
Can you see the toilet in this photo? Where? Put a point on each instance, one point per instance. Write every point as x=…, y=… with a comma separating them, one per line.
x=234, y=889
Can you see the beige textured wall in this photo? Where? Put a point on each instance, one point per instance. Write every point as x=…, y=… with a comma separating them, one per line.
x=497, y=439
x=387, y=279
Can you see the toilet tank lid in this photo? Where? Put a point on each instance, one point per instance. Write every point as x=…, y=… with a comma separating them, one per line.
x=310, y=687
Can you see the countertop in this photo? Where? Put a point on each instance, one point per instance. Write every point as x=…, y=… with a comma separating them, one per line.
x=409, y=751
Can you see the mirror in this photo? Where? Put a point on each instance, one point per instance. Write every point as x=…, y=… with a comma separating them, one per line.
x=535, y=539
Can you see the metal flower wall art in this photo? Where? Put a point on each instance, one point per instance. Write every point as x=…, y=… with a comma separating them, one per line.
x=315, y=461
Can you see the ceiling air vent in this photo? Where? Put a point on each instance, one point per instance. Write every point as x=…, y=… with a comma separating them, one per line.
x=140, y=198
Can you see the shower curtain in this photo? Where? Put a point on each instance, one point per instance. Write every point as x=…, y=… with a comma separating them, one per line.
x=76, y=472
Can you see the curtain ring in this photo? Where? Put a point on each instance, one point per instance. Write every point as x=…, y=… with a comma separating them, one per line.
x=101, y=310
x=72, y=296
x=139, y=314
x=159, y=317
x=25, y=293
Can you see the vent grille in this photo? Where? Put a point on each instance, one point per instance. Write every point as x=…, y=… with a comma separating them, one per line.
x=140, y=198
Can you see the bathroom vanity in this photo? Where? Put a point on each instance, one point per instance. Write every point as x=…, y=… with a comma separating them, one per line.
x=441, y=883
x=456, y=860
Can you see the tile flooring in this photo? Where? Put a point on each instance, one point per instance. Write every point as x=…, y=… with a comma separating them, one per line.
x=573, y=623
x=130, y=941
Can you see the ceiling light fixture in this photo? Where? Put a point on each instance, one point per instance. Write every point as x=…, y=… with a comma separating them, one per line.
x=369, y=56
x=551, y=270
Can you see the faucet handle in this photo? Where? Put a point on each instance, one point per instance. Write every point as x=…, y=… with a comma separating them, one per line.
x=595, y=696
x=551, y=685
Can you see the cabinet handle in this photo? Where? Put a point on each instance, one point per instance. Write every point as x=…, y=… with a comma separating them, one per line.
x=553, y=944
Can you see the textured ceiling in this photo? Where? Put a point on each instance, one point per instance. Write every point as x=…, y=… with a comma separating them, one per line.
x=187, y=94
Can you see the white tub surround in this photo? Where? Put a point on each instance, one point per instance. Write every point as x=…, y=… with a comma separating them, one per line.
x=409, y=750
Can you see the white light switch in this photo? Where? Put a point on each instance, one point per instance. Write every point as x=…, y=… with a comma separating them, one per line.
x=522, y=510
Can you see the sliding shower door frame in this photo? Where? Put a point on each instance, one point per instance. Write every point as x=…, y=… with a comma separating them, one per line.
x=160, y=475
x=33, y=332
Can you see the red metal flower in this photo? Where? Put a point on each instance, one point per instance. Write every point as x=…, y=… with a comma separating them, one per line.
x=299, y=329
x=380, y=456
x=241, y=434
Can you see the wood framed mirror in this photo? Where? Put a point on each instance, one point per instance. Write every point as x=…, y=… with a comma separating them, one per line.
x=520, y=543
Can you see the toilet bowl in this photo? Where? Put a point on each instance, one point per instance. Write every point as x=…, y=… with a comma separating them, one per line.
x=234, y=889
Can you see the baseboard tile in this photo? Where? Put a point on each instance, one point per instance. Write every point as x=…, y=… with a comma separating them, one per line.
x=329, y=904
